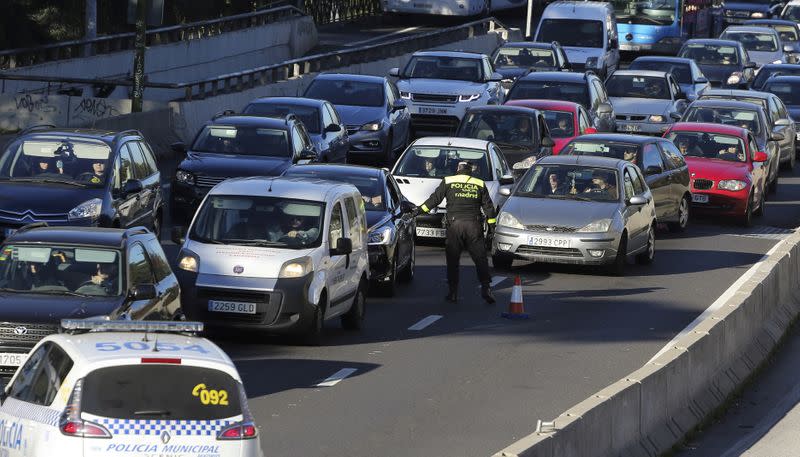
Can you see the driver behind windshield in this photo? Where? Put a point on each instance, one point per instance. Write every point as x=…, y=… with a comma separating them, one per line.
x=521, y=132
x=602, y=186
x=294, y=226
x=96, y=175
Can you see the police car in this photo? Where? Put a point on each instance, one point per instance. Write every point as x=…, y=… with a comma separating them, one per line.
x=127, y=388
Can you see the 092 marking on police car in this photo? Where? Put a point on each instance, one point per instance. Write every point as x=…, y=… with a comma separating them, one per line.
x=12, y=359
x=220, y=306
x=549, y=242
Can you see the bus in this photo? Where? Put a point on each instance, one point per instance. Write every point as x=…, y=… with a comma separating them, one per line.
x=662, y=26
x=450, y=7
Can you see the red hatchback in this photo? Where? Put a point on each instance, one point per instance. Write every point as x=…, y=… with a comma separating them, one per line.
x=728, y=172
x=565, y=120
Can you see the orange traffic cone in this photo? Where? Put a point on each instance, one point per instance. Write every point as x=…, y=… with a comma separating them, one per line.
x=516, y=309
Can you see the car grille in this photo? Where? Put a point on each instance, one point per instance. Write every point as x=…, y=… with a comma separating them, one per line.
x=439, y=124
x=624, y=117
x=703, y=184
x=269, y=305
x=541, y=250
x=28, y=217
x=209, y=181
x=13, y=333
x=550, y=228
x=433, y=98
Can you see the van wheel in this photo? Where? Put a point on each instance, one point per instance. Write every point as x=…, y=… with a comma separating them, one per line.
x=354, y=318
x=313, y=335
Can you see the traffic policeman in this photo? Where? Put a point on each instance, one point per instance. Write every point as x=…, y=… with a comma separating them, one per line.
x=465, y=195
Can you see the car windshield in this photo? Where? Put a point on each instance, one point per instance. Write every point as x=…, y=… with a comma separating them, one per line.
x=342, y=92
x=747, y=119
x=560, y=123
x=442, y=67
x=512, y=56
x=762, y=102
x=709, y=145
x=791, y=13
x=193, y=393
x=441, y=161
x=372, y=192
x=652, y=12
x=240, y=140
x=753, y=42
x=506, y=129
x=767, y=71
x=638, y=87
x=626, y=151
x=680, y=71
x=787, y=33
x=309, y=115
x=551, y=90
x=60, y=270
x=572, y=32
x=569, y=182
x=57, y=160
x=710, y=54
x=789, y=93
x=261, y=221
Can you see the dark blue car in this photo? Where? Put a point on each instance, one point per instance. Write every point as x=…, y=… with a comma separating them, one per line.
x=725, y=63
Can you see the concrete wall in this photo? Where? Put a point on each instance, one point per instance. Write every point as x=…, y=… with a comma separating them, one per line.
x=653, y=408
x=188, y=60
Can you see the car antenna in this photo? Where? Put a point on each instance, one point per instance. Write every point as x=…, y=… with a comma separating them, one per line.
x=270, y=184
x=155, y=344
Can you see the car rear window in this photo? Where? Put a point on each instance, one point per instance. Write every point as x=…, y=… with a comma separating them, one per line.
x=551, y=90
x=188, y=393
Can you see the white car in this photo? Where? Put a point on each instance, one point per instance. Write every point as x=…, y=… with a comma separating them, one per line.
x=439, y=86
x=110, y=388
x=644, y=101
x=279, y=255
x=427, y=161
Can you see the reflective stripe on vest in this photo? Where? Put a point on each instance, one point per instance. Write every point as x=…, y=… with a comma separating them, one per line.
x=464, y=179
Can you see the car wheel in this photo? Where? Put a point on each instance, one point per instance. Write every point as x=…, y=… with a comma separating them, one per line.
x=157, y=226
x=761, y=208
x=388, y=155
x=389, y=288
x=683, y=217
x=313, y=335
x=354, y=319
x=617, y=268
x=646, y=257
x=502, y=261
x=407, y=274
x=773, y=186
x=747, y=218
x=792, y=161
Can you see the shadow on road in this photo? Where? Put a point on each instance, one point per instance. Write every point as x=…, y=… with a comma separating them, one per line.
x=265, y=376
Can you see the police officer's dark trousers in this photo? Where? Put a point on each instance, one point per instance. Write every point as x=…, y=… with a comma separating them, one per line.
x=466, y=234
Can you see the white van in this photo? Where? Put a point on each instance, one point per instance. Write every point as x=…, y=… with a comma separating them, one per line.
x=586, y=30
x=276, y=254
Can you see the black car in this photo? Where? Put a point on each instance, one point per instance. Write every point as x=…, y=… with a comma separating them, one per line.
x=51, y=273
x=391, y=227
x=232, y=146
x=586, y=89
x=79, y=177
x=724, y=62
x=771, y=69
x=662, y=164
x=320, y=118
x=519, y=132
x=516, y=59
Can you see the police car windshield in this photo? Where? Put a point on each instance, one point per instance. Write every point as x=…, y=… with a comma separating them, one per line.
x=128, y=392
x=259, y=221
x=506, y=129
x=56, y=160
x=369, y=186
x=638, y=87
x=569, y=182
x=60, y=270
x=309, y=115
x=626, y=151
x=441, y=161
x=241, y=140
x=747, y=119
x=524, y=57
x=551, y=90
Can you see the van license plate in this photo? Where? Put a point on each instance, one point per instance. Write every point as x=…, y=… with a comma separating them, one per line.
x=431, y=232
x=12, y=359
x=699, y=198
x=231, y=307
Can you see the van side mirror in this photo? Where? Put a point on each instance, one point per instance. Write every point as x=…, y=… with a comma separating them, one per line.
x=178, y=235
x=143, y=292
x=179, y=147
x=675, y=116
x=344, y=246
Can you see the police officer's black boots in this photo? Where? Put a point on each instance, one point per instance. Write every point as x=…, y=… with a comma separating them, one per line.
x=486, y=293
x=452, y=295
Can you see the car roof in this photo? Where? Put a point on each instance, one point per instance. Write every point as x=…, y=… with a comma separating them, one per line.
x=330, y=168
x=350, y=77
x=710, y=128
x=468, y=143
x=471, y=55
x=284, y=187
x=243, y=120
x=528, y=44
x=751, y=29
x=779, y=66
x=715, y=41
x=652, y=73
x=583, y=160
x=784, y=78
x=723, y=103
x=298, y=101
x=106, y=136
x=563, y=76
x=619, y=138
x=92, y=236
x=503, y=108
x=540, y=104
x=575, y=8
x=736, y=93
x=669, y=59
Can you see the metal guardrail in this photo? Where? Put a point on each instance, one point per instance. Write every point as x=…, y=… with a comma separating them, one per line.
x=243, y=80
x=328, y=11
x=15, y=58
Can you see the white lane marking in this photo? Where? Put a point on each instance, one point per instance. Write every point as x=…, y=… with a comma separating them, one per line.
x=382, y=37
x=334, y=379
x=719, y=301
x=425, y=322
x=496, y=280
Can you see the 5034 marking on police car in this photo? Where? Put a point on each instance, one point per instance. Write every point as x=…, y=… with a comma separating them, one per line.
x=149, y=346
x=231, y=307
x=12, y=359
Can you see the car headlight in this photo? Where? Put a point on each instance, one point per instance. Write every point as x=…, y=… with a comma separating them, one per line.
x=757, y=14
x=296, y=268
x=184, y=177
x=656, y=118
x=469, y=97
x=381, y=235
x=508, y=220
x=735, y=78
x=597, y=226
x=525, y=163
x=188, y=261
x=732, y=185
x=88, y=209
x=372, y=126
x=405, y=95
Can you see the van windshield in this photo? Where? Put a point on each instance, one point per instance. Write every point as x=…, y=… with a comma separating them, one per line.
x=259, y=221
x=578, y=33
x=128, y=392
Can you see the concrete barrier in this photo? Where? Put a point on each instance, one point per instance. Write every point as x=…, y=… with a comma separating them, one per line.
x=653, y=408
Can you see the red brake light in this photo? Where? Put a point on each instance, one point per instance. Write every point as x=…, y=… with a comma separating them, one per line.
x=83, y=429
x=239, y=431
x=161, y=360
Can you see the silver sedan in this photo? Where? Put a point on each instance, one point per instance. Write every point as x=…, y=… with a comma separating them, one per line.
x=577, y=210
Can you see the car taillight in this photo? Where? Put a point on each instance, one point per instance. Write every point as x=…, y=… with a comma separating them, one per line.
x=70, y=422
x=239, y=431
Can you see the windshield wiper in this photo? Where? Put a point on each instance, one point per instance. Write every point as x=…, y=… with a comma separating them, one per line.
x=51, y=181
x=153, y=413
x=60, y=292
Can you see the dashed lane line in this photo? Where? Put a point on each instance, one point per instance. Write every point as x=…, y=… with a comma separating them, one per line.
x=337, y=377
x=425, y=322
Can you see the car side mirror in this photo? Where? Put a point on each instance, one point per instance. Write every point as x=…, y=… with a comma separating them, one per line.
x=306, y=155
x=406, y=207
x=496, y=77
x=783, y=122
x=701, y=80
x=394, y=72
x=605, y=108
x=680, y=96
x=548, y=142
x=777, y=136
x=760, y=156
x=179, y=147
x=788, y=48
x=344, y=246
x=178, y=235
x=132, y=186
x=653, y=170
x=504, y=191
x=675, y=116
x=637, y=200
x=143, y=292
x=398, y=105
x=333, y=128
x=590, y=131
x=506, y=180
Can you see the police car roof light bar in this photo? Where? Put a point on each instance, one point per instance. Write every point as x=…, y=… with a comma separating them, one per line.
x=86, y=325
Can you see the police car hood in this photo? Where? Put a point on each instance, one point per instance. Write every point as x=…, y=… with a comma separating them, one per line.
x=417, y=190
x=50, y=309
x=646, y=106
x=242, y=261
